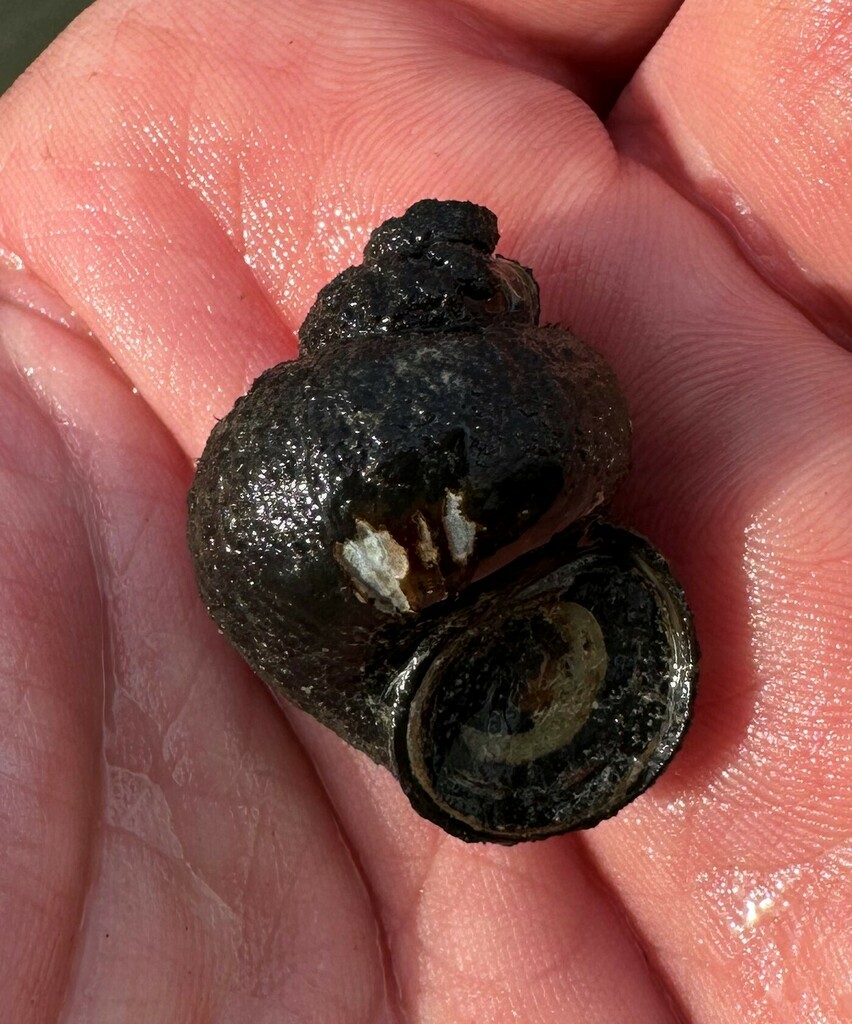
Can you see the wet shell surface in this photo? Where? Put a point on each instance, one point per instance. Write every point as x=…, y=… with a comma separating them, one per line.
x=401, y=532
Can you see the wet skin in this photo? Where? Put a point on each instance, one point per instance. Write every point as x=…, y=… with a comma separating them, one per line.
x=175, y=849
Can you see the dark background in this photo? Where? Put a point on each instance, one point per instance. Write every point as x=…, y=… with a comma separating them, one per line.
x=26, y=27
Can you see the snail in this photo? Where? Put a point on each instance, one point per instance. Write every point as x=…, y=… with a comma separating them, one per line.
x=401, y=532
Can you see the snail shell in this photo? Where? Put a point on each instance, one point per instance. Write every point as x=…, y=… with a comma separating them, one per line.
x=399, y=531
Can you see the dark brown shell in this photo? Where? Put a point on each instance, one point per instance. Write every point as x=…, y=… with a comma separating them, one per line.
x=359, y=526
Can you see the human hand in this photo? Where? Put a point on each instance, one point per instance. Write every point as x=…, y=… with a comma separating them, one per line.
x=184, y=178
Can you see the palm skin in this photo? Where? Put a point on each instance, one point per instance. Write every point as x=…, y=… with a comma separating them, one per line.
x=176, y=849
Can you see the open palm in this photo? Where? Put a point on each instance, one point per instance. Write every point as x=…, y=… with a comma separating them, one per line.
x=176, y=182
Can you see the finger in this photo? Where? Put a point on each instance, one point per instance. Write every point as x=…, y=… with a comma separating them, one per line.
x=744, y=110
x=51, y=694
x=745, y=107
x=192, y=837
x=743, y=463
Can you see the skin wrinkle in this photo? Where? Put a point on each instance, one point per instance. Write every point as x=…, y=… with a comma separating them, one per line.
x=413, y=906
x=180, y=857
x=171, y=729
x=20, y=290
x=292, y=882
